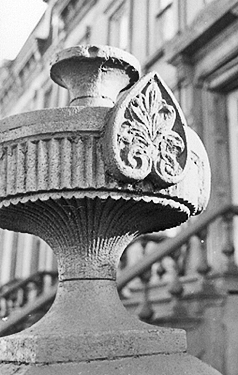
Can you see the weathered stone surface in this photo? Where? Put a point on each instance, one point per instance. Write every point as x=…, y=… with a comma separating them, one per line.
x=146, y=135
x=94, y=326
x=173, y=364
x=59, y=181
x=94, y=75
x=53, y=150
x=88, y=235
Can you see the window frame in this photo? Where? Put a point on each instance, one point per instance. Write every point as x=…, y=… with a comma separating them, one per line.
x=113, y=18
x=159, y=18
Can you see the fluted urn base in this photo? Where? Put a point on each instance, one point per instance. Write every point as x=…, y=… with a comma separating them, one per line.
x=87, y=330
x=88, y=235
x=87, y=320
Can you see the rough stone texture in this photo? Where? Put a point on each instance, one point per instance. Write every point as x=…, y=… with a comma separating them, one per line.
x=58, y=149
x=158, y=148
x=103, y=330
x=89, y=235
x=175, y=364
x=59, y=182
x=111, y=70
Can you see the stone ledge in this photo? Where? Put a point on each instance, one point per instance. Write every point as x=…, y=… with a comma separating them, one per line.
x=172, y=364
x=91, y=346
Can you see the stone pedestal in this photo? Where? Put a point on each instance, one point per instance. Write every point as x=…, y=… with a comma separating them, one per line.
x=88, y=179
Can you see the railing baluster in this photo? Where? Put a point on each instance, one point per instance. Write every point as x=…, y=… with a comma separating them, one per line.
x=160, y=270
x=175, y=286
x=207, y=287
x=4, y=307
x=145, y=311
x=228, y=247
x=203, y=267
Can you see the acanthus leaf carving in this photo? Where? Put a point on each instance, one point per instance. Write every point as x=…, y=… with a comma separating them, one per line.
x=145, y=135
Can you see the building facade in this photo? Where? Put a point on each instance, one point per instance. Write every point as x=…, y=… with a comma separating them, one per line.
x=192, y=44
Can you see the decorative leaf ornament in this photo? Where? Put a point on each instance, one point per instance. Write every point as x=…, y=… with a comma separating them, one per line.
x=145, y=135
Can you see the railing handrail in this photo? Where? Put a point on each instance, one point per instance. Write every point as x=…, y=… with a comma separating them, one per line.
x=168, y=246
x=27, y=310
x=21, y=283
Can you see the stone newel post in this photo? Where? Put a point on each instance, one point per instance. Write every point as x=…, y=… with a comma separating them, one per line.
x=88, y=179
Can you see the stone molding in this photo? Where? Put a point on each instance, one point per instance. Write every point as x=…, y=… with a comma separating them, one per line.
x=59, y=152
x=46, y=165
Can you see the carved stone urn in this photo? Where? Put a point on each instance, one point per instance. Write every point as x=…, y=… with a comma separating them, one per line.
x=88, y=179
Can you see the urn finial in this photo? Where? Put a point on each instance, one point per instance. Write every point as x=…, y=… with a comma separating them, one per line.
x=88, y=179
x=94, y=75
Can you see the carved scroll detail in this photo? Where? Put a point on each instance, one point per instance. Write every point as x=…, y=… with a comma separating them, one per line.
x=141, y=131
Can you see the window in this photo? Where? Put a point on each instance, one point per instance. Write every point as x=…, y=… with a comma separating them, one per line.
x=193, y=7
x=74, y=11
x=119, y=27
x=165, y=25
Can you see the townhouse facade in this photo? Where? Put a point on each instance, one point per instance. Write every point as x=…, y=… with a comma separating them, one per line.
x=192, y=44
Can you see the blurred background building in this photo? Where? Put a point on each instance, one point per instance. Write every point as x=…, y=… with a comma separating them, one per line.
x=192, y=44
